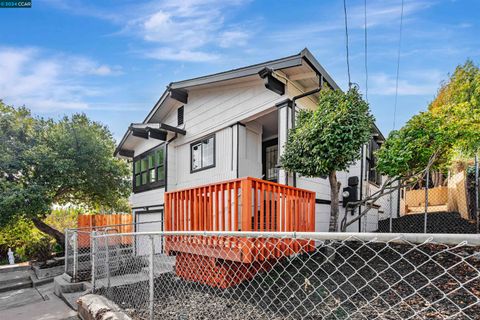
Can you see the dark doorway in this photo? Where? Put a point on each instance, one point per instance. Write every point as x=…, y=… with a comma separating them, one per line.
x=269, y=160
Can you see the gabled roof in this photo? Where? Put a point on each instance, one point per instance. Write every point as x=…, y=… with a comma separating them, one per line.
x=297, y=60
x=282, y=63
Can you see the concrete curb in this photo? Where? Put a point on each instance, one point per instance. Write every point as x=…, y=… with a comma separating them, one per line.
x=95, y=307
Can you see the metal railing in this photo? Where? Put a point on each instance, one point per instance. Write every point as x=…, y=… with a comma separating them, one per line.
x=79, y=247
x=289, y=275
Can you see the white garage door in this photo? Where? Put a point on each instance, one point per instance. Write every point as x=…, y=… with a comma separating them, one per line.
x=148, y=222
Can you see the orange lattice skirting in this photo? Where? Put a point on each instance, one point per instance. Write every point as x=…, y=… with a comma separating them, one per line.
x=215, y=272
x=225, y=262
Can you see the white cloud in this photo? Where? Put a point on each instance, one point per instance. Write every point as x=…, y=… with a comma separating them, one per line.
x=187, y=30
x=52, y=83
x=380, y=13
x=181, y=55
x=86, y=66
x=420, y=82
x=233, y=38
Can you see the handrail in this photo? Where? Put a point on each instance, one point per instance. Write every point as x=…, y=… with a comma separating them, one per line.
x=237, y=180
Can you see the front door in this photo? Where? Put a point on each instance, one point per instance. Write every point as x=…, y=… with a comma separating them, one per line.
x=269, y=160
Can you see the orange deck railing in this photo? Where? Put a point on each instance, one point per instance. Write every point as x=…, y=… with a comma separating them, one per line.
x=246, y=204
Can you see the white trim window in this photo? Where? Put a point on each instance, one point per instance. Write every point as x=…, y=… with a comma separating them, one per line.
x=202, y=154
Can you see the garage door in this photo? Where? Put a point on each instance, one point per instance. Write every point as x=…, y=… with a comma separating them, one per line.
x=148, y=221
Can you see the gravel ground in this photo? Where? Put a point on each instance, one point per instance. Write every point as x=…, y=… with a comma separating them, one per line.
x=437, y=222
x=360, y=281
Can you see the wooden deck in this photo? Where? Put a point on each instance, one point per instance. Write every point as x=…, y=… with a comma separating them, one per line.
x=246, y=204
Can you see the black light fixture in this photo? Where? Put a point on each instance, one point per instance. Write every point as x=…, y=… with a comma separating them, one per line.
x=350, y=193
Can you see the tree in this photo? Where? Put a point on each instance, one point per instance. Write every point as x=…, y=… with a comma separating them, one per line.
x=329, y=139
x=451, y=126
x=430, y=140
x=46, y=162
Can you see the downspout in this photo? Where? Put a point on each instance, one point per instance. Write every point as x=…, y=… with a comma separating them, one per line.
x=361, y=191
x=166, y=162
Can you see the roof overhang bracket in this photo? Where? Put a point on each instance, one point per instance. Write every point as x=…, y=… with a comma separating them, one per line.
x=272, y=83
x=157, y=134
x=179, y=95
x=140, y=133
x=126, y=153
x=172, y=129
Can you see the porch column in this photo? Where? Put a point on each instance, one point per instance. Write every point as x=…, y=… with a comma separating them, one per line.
x=284, y=125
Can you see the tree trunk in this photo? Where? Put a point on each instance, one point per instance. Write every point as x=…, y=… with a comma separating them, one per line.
x=334, y=189
x=54, y=233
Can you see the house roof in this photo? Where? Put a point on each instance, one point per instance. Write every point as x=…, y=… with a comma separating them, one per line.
x=297, y=60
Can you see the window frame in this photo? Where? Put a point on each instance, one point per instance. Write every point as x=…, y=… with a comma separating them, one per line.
x=157, y=183
x=214, y=153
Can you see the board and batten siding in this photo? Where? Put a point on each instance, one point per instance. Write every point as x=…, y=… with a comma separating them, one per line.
x=212, y=109
x=225, y=162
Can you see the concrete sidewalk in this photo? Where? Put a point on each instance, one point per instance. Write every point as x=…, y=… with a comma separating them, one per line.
x=34, y=303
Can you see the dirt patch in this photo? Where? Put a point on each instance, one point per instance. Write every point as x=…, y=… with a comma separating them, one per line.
x=437, y=222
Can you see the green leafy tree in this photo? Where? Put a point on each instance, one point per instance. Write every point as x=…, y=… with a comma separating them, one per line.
x=433, y=138
x=329, y=139
x=46, y=162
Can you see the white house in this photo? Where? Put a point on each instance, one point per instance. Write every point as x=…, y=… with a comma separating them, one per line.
x=233, y=124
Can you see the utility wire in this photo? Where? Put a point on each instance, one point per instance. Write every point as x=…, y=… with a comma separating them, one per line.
x=366, y=52
x=346, y=41
x=398, y=67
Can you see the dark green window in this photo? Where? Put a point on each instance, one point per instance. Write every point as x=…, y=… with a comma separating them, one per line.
x=149, y=170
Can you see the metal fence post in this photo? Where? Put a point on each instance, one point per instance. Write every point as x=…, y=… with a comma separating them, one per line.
x=66, y=253
x=107, y=259
x=390, y=221
x=150, y=282
x=75, y=254
x=93, y=258
x=426, y=202
x=477, y=187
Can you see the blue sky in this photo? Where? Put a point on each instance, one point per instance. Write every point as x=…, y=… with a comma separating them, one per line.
x=113, y=58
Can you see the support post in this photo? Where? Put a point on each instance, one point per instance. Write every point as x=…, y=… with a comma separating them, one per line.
x=426, y=202
x=150, y=282
x=75, y=255
x=93, y=257
x=246, y=186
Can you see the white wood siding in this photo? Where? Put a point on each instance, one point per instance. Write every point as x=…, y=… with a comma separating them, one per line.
x=250, y=150
x=224, y=168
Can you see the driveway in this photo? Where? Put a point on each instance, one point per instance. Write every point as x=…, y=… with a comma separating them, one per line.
x=34, y=303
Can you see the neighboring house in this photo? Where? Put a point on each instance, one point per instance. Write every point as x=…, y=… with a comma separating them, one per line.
x=229, y=125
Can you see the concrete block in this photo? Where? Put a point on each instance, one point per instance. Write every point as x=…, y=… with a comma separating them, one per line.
x=48, y=272
x=95, y=307
x=61, y=285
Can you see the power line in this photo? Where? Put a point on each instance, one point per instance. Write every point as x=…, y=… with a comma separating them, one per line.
x=398, y=67
x=366, y=52
x=346, y=41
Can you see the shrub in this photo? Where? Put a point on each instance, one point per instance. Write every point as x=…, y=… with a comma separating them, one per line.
x=20, y=236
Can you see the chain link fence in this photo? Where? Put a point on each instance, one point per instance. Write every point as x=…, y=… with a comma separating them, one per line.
x=78, y=246
x=437, y=203
x=238, y=275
